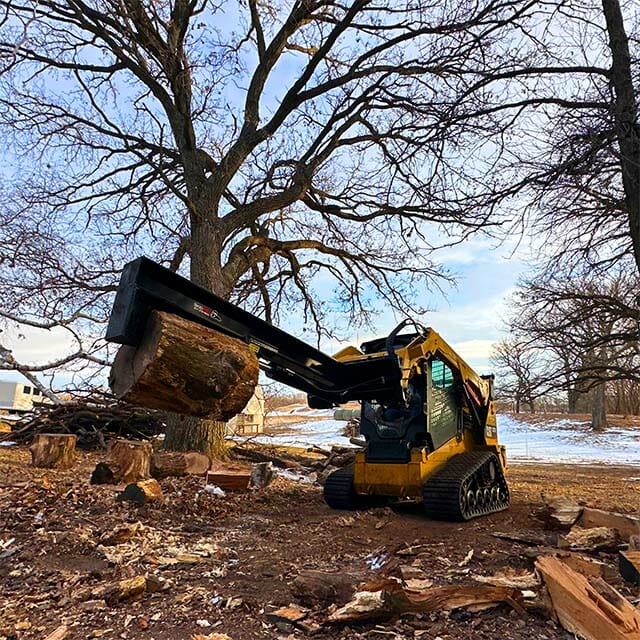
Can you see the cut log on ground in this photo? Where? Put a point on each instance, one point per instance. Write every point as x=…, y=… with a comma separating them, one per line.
x=385, y=599
x=142, y=492
x=129, y=460
x=560, y=512
x=626, y=525
x=183, y=367
x=230, y=477
x=53, y=451
x=591, y=609
x=167, y=464
x=629, y=564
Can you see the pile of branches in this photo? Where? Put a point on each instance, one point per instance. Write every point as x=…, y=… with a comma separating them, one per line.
x=92, y=423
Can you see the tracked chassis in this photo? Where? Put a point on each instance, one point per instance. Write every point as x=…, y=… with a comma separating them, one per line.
x=470, y=485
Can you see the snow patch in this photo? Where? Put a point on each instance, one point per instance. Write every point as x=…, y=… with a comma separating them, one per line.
x=563, y=440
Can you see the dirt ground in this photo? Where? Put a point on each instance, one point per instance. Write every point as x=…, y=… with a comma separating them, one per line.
x=222, y=564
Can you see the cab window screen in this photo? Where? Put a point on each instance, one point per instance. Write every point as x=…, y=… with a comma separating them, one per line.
x=441, y=375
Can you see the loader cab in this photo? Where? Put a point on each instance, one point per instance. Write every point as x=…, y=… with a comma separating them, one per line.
x=430, y=416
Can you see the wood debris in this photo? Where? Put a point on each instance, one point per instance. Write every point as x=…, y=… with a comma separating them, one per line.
x=323, y=588
x=386, y=599
x=560, y=512
x=59, y=634
x=589, y=608
x=510, y=577
x=626, y=525
x=594, y=539
x=92, y=422
x=186, y=368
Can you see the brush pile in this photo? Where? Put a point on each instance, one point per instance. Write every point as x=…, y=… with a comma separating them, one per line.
x=90, y=422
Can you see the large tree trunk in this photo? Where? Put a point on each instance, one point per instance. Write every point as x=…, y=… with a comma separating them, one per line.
x=598, y=410
x=186, y=433
x=626, y=117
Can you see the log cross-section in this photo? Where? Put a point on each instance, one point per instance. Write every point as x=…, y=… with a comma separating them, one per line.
x=183, y=367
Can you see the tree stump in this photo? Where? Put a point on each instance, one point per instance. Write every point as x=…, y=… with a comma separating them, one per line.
x=130, y=460
x=142, y=492
x=53, y=451
x=185, y=368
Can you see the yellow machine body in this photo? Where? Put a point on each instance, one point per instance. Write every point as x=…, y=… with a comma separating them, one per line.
x=407, y=480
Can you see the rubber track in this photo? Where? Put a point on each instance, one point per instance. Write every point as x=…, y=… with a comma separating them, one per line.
x=441, y=492
x=338, y=490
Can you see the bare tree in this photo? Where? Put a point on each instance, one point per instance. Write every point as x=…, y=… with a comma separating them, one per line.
x=517, y=367
x=268, y=149
x=588, y=328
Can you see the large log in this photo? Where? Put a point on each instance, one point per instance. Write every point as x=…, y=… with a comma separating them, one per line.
x=51, y=451
x=183, y=367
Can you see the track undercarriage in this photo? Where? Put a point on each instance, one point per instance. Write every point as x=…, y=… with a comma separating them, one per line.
x=469, y=485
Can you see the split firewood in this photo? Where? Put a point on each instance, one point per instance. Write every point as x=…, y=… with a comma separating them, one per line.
x=629, y=564
x=592, y=608
x=53, y=451
x=142, y=492
x=385, y=599
x=183, y=367
x=594, y=539
x=59, y=634
x=627, y=525
x=322, y=588
x=585, y=565
x=129, y=460
x=560, y=512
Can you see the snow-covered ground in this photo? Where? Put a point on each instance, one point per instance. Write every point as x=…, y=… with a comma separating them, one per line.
x=561, y=440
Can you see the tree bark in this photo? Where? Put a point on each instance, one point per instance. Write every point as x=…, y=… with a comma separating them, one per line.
x=130, y=461
x=186, y=368
x=598, y=410
x=187, y=433
x=626, y=117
